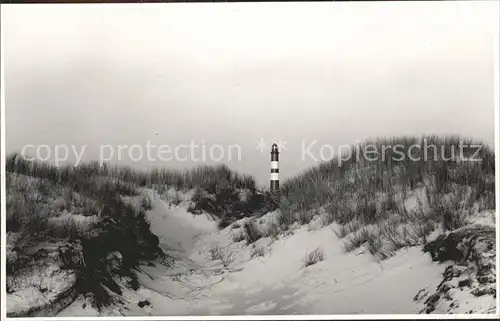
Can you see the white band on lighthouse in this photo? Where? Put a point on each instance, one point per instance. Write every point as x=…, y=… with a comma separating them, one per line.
x=274, y=176
x=274, y=165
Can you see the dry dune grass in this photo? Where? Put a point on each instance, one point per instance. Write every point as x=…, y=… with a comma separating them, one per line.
x=313, y=257
x=386, y=204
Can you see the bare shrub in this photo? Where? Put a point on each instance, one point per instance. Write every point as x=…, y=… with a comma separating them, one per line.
x=216, y=252
x=223, y=254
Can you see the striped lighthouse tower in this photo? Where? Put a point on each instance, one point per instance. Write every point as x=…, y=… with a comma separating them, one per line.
x=275, y=183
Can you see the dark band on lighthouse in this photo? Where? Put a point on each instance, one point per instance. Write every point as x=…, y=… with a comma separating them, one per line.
x=274, y=168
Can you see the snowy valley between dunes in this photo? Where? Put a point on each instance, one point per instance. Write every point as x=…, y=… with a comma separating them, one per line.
x=99, y=241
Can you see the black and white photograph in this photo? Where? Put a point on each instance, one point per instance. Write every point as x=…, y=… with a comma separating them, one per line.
x=249, y=159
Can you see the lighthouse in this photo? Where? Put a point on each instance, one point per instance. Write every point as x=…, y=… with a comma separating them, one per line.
x=275, y=183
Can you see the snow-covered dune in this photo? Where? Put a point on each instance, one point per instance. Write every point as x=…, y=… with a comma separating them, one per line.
x=213, y=275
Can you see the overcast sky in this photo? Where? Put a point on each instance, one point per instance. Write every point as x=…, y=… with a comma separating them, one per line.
x=224, y=74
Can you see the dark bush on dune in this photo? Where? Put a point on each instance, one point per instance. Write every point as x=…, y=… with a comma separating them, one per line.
x=230, y=198
x=462, y=244
x=256, y=205
x=470, y=255
x=124, y=231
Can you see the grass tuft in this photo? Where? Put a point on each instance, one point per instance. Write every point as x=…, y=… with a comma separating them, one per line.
x=222, y=254
x=313, y=257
